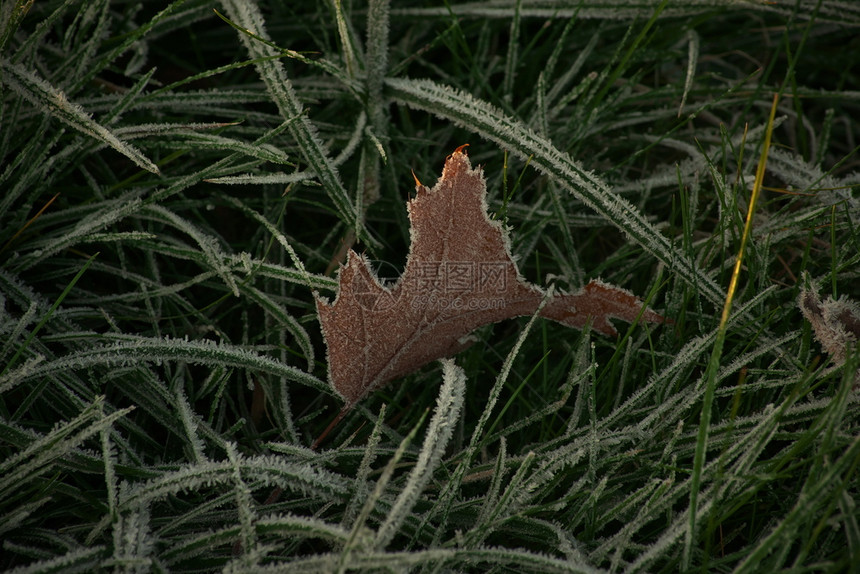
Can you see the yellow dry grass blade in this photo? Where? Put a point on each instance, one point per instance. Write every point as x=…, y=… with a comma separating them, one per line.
x=30, y=222
x=714, y=362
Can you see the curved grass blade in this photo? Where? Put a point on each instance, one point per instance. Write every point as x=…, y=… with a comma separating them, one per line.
x=54, y=102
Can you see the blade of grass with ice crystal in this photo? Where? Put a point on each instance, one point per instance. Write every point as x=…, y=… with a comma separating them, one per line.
x=54, y=102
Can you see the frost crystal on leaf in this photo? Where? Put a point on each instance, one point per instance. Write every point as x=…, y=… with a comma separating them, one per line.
x=836, y=322
x=459, y=276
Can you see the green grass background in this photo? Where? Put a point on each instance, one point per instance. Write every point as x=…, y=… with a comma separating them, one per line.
x=175, y=186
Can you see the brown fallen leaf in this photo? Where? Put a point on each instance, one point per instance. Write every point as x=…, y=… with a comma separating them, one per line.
x=836, y=322
x=459, y=276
